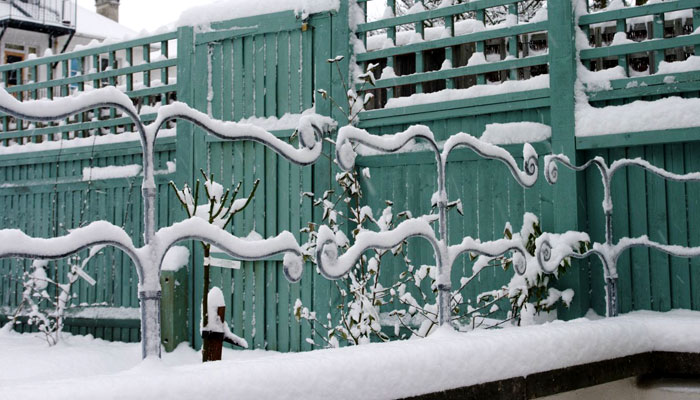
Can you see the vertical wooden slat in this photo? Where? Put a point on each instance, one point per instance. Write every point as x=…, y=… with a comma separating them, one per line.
x=658, y=231
x=677, y=216
x=693, y=198
x=641, y=280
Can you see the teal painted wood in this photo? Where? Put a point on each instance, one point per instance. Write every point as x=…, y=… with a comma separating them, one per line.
x=692, y=163
x=41, y=208
x=243, y=69
x=666, y=212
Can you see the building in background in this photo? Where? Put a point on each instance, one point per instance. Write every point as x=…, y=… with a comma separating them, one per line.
x=30, y=28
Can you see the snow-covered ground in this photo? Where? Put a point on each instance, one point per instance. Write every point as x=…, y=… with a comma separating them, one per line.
x=86, y=368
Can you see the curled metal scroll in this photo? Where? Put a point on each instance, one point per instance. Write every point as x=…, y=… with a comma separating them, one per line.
x=608, y=252
x=306, y=155
x=241, y=249
x=333, y=266
x=345, y=155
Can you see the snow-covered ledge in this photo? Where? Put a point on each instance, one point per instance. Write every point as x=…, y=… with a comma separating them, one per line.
x=445, y=360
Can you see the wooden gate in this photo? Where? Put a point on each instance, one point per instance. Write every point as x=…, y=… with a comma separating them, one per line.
x=261, y=70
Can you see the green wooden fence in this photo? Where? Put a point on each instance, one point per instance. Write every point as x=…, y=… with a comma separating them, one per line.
x=271, y=65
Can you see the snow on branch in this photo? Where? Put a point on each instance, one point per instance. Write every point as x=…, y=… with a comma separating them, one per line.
x=347, y=135
x=311, y=129
x=238, y=248
x=17, y=244
x=333, y=266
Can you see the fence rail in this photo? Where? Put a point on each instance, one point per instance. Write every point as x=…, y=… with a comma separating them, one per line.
x=145, y=69
x=449, y=47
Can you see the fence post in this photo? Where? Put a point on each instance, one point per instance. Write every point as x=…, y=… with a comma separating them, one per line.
x=173, y=314
x=569, y=204
x=177, y=322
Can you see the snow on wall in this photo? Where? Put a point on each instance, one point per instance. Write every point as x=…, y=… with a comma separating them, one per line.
x=516, y=133
x=538, y=82
x=388, y=370
x=667, y=113
x=111, y=172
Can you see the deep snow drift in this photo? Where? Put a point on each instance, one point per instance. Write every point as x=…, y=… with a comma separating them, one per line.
x=82, y=368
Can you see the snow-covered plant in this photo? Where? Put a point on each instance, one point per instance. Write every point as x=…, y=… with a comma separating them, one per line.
x=218, y=209
x=355, y=102
x=361, y=293
x=527, y=295
x=46, y=300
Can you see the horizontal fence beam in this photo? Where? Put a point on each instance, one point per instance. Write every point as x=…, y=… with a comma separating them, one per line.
x=638, y=11
x=460, y=71
x=78, y=126
x=87, y=322
x=90, y=51
x=639, y=47
x=54, y=185
x=171, y=62
x=638, y=138
x=432, y=14
x=132, y=147
x=644, y=90
x=456, y=40
x=366, y=118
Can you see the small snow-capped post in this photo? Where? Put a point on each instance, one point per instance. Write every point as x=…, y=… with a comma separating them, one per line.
x=217, y=331
x=334, y=266
x=552, y=249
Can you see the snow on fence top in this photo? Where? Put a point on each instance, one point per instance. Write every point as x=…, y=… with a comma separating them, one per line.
x=222, y=10
x=450, y=48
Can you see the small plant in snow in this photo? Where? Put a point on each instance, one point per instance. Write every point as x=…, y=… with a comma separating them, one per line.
x=361, y=293
x=218, y=210
x=527, y=294
x=355, y=102
x=45, y=300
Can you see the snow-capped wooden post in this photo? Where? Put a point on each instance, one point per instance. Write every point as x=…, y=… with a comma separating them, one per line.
x=333, y=266
x=217, y=331
x=551, y=249
x=149, y=258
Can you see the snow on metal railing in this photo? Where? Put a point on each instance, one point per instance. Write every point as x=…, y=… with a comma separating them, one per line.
x=333, y=266
x=148, y=259
x=551, y=250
